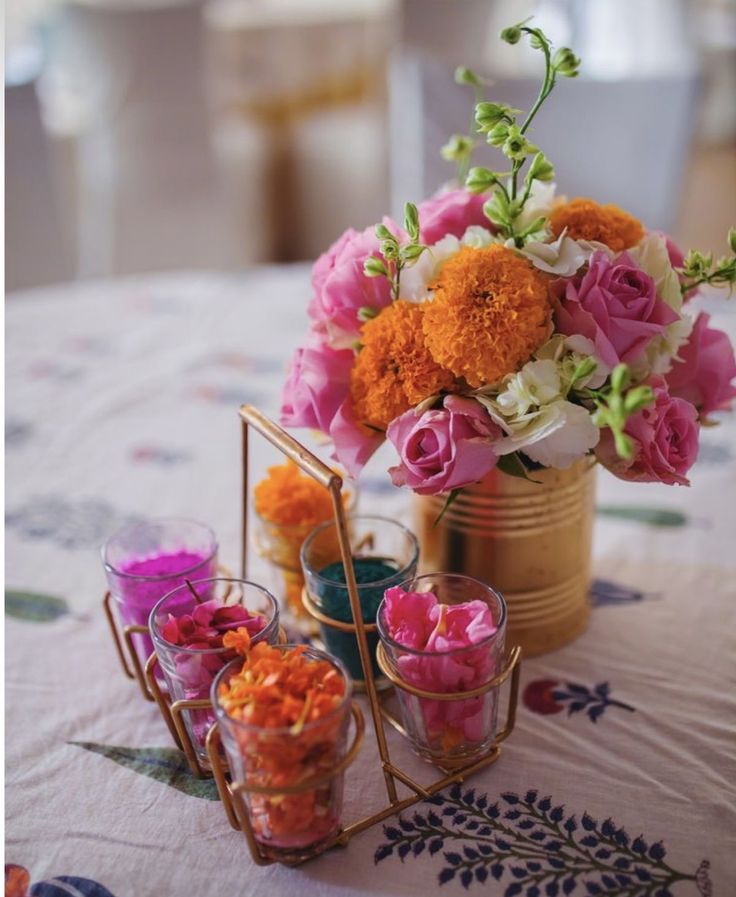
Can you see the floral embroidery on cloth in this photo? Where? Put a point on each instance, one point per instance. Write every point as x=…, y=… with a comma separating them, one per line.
x=548, y=696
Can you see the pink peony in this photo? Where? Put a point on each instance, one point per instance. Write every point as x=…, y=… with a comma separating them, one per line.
x=354, y=443
x=615, y=305
x=450, y=212
x=665, y=436
x=318, y=383
x=704, y=375
x=341, y=289
x=443, y=449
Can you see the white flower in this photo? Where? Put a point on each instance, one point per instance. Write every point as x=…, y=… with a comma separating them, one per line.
x=568, y=434
x=569, y=352
x=539, y=204
x=537, y=383
x=415, y=280
x=563, y=257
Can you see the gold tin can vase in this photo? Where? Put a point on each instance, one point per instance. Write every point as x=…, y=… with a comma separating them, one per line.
x=531, y=541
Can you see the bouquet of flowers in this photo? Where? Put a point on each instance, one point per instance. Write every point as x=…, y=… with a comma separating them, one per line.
x=503, y=325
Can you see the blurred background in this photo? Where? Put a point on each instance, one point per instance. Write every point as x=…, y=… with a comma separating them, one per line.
x=148, y=135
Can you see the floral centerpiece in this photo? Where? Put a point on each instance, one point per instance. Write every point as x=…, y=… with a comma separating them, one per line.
x=504, y=327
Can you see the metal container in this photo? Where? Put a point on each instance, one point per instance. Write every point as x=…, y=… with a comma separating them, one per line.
x=531, y=541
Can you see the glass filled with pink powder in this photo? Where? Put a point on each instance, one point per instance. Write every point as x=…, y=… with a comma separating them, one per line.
x=146, y=560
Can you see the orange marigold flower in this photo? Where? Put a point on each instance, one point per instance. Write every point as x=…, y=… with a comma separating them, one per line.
x=238, y=641
x=489, y=313
x=394, y=369
x=587, y=220
x=290, y=498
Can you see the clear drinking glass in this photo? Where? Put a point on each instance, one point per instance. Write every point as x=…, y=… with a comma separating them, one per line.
x=384, y=552
x=189, y=672
x=146, y=560
x=289, y=824
x=457, y=731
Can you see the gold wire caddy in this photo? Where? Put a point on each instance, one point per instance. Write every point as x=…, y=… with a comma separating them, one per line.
x=232, y=792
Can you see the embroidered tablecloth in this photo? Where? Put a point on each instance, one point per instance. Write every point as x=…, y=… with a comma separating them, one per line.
x=620, y=778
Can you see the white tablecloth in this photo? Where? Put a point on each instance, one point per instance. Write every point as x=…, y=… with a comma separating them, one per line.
x=620, y=778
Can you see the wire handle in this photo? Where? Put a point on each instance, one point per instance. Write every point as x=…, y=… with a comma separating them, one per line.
x=129, y=631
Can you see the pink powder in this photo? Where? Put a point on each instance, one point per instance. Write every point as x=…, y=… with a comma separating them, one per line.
x=164, y=564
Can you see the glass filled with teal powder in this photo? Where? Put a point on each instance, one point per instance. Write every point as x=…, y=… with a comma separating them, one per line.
x=384, y=552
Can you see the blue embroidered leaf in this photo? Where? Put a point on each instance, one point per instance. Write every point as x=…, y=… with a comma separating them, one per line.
x=481, y=873
x=621, y=838
x=485, y=849
x=557, y=813
x=69, y=886
x=469, y=797
x=510, y=797
x=482, y=802
x=456, y=792
x=34, y=607
x=603, y=853
x=484, y=831
x=472, y=825
x=470, y=853
x=497, y=871
x=551, y=889
x=595, y=711
x=526, y=823
x=502, y=845
x=449, y=811
x=165, y=765
x=513, y=889
x=433, y=818
x=446, y=875
x=642, y=874
x=533, y=867
x=553, y=846
x=589, y=824
x=420, y=821
x=454, y=859
x=385, y=850
x=417, y=848
x=460, y=818
x=589, y=841
x=532, y=892
x=530, y=797
x=393, y=834
x=556, y=863
x=608, y=828
x=465, y=878
x=608, y=881
x=436, y=799
x=538, y=835
x=435, y=845
x=571, y=825
x=578, y=689
x=403, y=850
x=518, y=872
x=621, y=863
x=544, y=804
x=569, y=885
x=657, y=851
x=602, y=689
x=592, y=888
x=512, y=814
x=575, y=707
x=406, y=824
x=493, y=811
x=639, y=845
x=623, y=879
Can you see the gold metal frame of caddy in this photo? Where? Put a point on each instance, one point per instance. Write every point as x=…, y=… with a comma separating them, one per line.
x=232, y=793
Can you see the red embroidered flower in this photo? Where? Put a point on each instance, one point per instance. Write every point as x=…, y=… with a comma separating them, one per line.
x=539, y=696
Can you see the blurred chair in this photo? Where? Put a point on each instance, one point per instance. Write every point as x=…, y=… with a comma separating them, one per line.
x=151, y=195
x=621, y=136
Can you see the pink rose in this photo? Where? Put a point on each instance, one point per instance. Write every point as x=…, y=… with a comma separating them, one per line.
x=317, y=384
x=665, y=436
x=615, y=305
x=704, y=375
x=450, y=212
x=341, y=289
x=443, y=449
x=354, y=443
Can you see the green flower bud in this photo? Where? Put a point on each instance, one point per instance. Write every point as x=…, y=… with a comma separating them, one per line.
x=624, y=445
x=411, y=220
x=620, y=379
x=566, y=62
x=540, y=169
x=638, y=398
x=511, y=35
x=373, y=267
x=480, y=180
x=497, y=210
x=458, y=147
x=366, y=312
x=732, y=239
x=498, y=134
x=537, y=40
x=464, y=75
x=412, y=252
x=516, y=146
x=584, y=369
x=383, y=233
x=489, y=114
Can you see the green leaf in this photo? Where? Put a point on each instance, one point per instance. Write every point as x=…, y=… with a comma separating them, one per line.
x=165, y=765
x=513, y=466
x=411, y=220
x=34, y=606
x=650, y=516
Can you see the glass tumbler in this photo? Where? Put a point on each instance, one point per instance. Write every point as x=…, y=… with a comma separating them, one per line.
x=292, y=824
x=189, y=672
x=449, y=732
x=146, y=560
x=384, y=552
